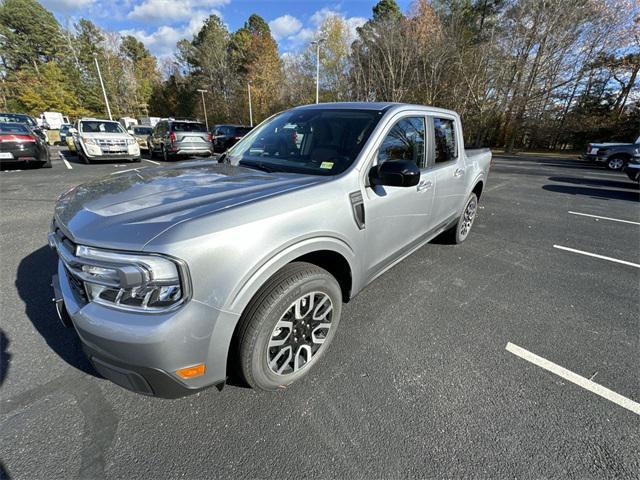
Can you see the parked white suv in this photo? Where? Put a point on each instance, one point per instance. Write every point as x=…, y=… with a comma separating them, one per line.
x=99, y=139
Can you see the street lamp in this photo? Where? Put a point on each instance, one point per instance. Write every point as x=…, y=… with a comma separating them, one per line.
x=317, y=44
x=250, y=111
x=104, y=92
x=204, y=108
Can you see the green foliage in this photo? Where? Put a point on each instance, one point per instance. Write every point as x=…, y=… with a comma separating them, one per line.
x=31, y=34
x=133, y=49
x=386, y=10
x=45, y=90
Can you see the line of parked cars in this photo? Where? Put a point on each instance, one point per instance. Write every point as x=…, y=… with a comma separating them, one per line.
x=616, y=156
x=97, y=139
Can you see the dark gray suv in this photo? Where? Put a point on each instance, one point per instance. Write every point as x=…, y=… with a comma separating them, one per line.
x=172, y=138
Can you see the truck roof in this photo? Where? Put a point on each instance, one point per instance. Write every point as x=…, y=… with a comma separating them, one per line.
x=376, y=106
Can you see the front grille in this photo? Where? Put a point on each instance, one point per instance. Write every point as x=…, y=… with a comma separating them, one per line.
x=112, y=142
x=76, y=285
x=69, y=245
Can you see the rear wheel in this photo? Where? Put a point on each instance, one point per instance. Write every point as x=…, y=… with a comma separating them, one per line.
x=288, y=326
x=460, y=231
x=165, y=155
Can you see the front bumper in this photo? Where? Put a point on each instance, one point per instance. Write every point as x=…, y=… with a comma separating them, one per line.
x=589, y=157
x=114, y=156
x=178, y=149
x=142, y=351
x=633, y=170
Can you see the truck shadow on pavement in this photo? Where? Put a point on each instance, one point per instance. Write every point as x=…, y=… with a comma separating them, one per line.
x=5, y=357
x=596, y=182
x=33, y=282
x=601, y=193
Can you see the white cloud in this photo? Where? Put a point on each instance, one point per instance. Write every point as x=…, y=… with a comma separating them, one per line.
x=66, y=6
x=162, y=41
x=308, y=33
x=303, y=36
x=171, y=10
x=284, y=26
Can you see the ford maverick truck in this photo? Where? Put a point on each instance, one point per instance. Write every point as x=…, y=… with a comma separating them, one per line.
x=174, y=276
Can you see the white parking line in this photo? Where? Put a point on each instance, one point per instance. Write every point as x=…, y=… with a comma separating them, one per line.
x=595, y=255
x=604, y=218
x=568, y=375
x=65, y=161
x=152, y=161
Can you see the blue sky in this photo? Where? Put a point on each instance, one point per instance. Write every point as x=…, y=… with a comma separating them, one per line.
x=161, y=23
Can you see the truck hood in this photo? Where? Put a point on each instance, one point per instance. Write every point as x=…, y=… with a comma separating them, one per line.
x=128, y=209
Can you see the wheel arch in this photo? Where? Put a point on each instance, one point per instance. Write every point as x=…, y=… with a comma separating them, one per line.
x=329, y=253
x=477, y=189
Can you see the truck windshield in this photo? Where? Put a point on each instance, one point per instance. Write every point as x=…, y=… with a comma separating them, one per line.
x=313, y=141
x=98, y=126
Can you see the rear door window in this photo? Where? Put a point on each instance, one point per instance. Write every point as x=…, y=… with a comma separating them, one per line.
x=446, y=147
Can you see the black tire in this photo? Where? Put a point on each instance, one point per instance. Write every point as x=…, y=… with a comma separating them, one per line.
x=616, y=162
x=458, y=233
x=136, y=160
x=272, y=302
x=83, y=157
x=165, y=156
x=46, y=164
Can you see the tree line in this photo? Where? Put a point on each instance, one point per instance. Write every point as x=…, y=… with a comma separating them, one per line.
x=547, y=74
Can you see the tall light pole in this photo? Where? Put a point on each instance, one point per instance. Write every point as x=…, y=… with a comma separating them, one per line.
x=104, y=92
x=250, y=110
x=317, y=44
x=204, y=108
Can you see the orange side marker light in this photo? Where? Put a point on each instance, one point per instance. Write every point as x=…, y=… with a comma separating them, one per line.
x=192, y=372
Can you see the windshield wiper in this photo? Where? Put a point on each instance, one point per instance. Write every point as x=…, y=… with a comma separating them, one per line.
x=256, y=166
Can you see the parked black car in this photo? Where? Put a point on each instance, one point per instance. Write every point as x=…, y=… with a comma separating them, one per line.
x=21, y=146
x=26, y=120
x=226, y=136
x=172, y=138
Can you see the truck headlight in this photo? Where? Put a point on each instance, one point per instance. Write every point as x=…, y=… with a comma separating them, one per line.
x=89, y=141
x=131, y=141
x=131, y=281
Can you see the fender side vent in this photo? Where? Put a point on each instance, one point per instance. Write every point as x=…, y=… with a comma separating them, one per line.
x=357, y=207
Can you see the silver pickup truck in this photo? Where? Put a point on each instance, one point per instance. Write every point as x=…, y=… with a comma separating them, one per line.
x=175, y=276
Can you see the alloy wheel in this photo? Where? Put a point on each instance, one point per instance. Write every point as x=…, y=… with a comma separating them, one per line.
x=616, y=163
x=468, y=217
x=300, y=333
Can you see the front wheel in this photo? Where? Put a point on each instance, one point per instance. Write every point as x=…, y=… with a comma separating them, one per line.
x=288, y=326
x=615, y=163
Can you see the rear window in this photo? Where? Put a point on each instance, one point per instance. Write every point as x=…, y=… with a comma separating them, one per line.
x=18, y=118
x=241, y=131
x=188, y=127
x=97, y=126
x=142, y=130
x=13, y=128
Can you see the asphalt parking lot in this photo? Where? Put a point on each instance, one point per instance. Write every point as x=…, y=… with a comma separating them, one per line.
x=418, y=382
